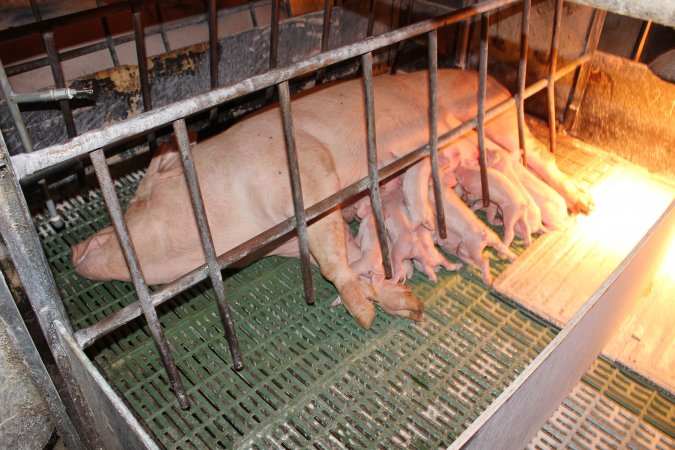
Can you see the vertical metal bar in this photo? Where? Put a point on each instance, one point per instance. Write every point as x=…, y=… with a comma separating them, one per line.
x=581, y=75
x=274, y=44
x=207, y=241
x=18, y=231
x=522, y=76
x=213, y=52
x=139, y=37
x=254, y=19
x=296, y=189
x=371, y=18
x=461, y=49
x=120, y=226
x=22, y=341
x=162, y=30
x=325, y=36
x=54, y=217
x=375, y=199
x=433, y=131
x=644, y=32
x=553, y=61
x=108, y=38
x=399, y=47
x=482, y=90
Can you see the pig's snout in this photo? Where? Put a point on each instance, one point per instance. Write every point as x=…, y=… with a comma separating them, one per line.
x=97, y=257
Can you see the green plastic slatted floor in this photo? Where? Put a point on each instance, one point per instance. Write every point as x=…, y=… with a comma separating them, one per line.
x=312, y=376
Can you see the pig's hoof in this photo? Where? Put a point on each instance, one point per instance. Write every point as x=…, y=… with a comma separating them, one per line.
x=355, y=296
x=584, y=203
x=399, y=300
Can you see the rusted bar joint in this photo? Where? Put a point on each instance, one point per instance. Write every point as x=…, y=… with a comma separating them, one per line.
x=199, y=210
x=433, y=132
x=120, y=226
x=296, y=190
x=522, y=76
x=373, y=174
x=552, y=63
x=482, y=91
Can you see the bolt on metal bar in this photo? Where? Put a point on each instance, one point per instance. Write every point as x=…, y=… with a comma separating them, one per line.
x=199, y=209
x=433, y=132
x=373, y=174
x=553, y=61
x=213, y=52
x=88, y=336
x=371, y=18
x=120, y=226
x=162, y=29
x=522, y=75
x=51, y=95
x=482, y=92
x=296, y=190
x=108, y=37
x=89, y=141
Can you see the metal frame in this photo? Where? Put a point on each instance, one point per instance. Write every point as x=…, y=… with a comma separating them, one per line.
x=24, y=244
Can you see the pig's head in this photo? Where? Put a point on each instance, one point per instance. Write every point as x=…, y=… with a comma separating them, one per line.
x=100, y=257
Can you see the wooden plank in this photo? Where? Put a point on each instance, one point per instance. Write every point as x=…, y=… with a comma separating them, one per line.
x=525, y=405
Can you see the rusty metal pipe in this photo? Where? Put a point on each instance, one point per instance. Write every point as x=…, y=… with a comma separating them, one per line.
x=120, y=226
x=373, y=174
x=371, y=18
x=325, y=36
x=296, y=190
x=142, y=58
x=108, y=37
x=482, y=92
x=162, y=30
x=213, y=52
x=552, y=62
x=199, y=209
x=522, y=76
x=433, y=132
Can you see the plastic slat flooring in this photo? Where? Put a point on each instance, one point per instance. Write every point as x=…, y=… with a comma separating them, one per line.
x=312, y=376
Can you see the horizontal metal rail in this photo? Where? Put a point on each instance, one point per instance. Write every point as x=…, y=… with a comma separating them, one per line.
x=114, y=134
x=88, y=336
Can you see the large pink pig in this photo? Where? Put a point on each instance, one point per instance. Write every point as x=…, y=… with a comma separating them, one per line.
x=246, y=189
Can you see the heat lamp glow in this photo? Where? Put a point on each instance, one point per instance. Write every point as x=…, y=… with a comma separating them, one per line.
x=627, y=205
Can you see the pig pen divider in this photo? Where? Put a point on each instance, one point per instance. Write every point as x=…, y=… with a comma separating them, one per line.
x=94, y=142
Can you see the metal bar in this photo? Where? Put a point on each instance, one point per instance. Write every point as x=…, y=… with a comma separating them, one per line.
x=115, y=210
x=522, y=76
x=18, y=231
x=274, y=45
x=296, y=190
x=433, y=132
x=644, y=32
x=553, y=61
x=51, y=95
x=162, y=30
x=581, y=76
x=142, y=58
x=373, y=174
x=371, y=18
x=149, y=31
x=108, y=37
x=399, y=47
x=22, y=341
x=254, y=20
x=213, y=52
x=89, y=141
x=59, y=81
x=461, y=50
x=325, y=36
x=482, y=91
x=88, y=336
x=199, y=209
